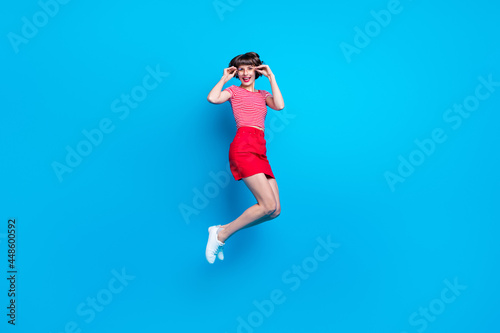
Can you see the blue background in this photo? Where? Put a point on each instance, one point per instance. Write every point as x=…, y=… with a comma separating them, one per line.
x=349, y=120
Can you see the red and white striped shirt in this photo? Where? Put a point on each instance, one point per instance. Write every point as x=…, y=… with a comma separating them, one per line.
x=249, y=108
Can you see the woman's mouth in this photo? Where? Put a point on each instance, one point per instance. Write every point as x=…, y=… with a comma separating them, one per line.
x=246, y=79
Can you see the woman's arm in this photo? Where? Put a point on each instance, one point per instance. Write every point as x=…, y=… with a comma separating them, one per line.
x=275, y=102
x=216, y=96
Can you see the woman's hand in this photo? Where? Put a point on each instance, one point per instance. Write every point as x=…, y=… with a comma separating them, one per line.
x=229, y=73
x=264, y=70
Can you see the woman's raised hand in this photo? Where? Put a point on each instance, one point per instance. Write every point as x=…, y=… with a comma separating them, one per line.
x=264, y=70
x=229, y=73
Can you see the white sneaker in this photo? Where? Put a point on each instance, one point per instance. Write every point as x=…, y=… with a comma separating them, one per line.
x=214, y=246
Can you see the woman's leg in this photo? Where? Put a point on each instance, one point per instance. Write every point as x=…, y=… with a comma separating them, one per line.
x=274, y=186
x=267, y=207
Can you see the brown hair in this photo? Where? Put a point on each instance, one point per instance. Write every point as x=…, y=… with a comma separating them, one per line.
x=249, y=58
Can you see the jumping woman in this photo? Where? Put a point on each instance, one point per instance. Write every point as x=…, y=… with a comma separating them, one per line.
x=247, y=151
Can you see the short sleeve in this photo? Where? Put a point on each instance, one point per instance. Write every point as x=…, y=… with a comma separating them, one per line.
x=230, y=89
x=265, y=94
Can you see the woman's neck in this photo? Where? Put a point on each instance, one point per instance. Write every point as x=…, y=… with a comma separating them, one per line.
x=250, y=88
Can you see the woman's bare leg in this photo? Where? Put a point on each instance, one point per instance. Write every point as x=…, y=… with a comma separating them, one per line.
x=274, y=186
x=267, y=207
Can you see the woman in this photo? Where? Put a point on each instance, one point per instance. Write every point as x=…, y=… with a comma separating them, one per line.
x=247, y=152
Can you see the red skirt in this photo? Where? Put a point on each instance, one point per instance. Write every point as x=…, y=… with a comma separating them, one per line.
x=247, y=153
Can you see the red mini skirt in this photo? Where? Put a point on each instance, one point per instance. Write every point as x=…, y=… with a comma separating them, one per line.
x=247, y=153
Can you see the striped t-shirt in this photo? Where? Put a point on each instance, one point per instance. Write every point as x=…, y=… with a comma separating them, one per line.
x=249, y=108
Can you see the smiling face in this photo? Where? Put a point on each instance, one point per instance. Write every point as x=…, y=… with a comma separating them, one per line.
x=246, y=74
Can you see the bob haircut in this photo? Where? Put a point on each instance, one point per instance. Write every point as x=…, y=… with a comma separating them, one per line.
x=249, y=58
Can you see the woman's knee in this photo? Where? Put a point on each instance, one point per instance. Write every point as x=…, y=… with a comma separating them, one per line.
x=274, y=210
x=276, y=213
x=269, y=207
